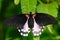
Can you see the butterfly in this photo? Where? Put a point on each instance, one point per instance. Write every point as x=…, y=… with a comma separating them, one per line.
x=27, y=22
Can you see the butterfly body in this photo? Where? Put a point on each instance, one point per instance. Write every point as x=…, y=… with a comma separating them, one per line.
x=25, y=22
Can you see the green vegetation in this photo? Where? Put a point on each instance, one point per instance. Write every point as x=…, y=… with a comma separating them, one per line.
x=10, y=8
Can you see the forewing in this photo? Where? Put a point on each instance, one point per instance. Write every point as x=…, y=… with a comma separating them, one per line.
x=16, y=21
x=45, y=19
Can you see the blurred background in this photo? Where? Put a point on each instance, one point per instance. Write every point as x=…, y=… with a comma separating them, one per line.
x=10, y=8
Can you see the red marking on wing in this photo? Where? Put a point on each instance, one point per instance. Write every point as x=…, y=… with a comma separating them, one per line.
x=26, y=15
x=34, y=15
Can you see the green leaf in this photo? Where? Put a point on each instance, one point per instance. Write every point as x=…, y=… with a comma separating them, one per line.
x=32, y=5
x=25, y=6
x=58, y=1
x=48, y=8
x=28, y=6
x=50, y=28
x=16, y=2
x=0, y=4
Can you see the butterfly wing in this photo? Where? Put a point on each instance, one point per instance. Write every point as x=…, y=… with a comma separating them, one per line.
x=45, y=19
x=40, y=20
x=20, y=22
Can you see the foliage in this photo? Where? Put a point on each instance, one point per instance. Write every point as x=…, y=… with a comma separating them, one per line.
x=10, y=8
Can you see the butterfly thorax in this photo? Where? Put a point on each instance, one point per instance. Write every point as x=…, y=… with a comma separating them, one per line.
x=30, y=21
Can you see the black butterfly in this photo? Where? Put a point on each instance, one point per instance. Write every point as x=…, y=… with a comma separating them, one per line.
x=36, y=22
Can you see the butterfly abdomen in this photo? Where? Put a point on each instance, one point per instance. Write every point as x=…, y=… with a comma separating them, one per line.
x=30, y=22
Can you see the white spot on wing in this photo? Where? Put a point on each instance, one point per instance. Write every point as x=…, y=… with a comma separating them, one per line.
x=21, y=33
x=18, y=29
x=37, y=29
x=40, y=33
x=26, y=28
